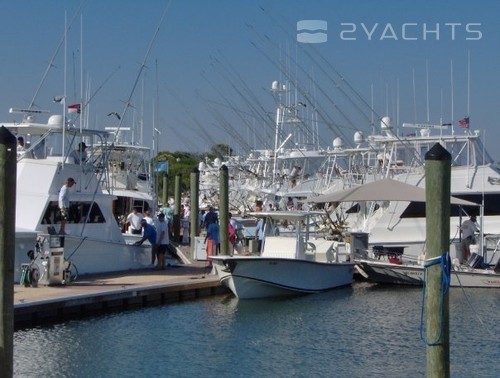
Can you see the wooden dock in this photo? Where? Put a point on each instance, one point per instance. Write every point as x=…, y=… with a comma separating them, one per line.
x=99, y=294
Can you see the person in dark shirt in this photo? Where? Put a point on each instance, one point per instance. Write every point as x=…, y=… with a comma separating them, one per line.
x=210, y=217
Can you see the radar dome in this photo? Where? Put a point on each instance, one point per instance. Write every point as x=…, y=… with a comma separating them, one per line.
x=55, y=120
x=338, y=143
x=359, y=137
x=275, y=86
x=385, y=123
x=217, y=162
x=201, y=166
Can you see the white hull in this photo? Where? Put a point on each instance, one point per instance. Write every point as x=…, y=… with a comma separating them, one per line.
x=406, y=274
x=88, y=256
x=91, y=256
x=257, y=277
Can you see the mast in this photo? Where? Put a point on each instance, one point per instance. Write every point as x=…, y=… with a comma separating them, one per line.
x=63, y=153
x=468, y=83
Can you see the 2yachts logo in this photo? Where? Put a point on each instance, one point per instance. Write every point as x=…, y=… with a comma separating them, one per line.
x=314, y=31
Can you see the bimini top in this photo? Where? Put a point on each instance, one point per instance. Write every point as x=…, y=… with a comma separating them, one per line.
x=382, y=190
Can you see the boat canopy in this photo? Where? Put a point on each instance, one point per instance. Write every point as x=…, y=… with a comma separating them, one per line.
x=382, y=190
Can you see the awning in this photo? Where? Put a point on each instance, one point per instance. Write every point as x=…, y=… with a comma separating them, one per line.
x=382, y=190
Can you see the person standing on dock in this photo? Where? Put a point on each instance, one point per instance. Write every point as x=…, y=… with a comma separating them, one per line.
x=210, y=217
x=212, y=240
x=149, y=234
x=162, y=240
x=64, y=203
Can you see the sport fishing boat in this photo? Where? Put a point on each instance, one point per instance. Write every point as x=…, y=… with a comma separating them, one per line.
x=288, y=265
x=471, y=274
x=393, y=222
x=94, y=242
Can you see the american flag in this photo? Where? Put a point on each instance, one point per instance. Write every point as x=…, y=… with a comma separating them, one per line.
x=464, y=123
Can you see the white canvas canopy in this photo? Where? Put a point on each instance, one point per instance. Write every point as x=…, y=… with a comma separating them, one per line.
x=382, y=190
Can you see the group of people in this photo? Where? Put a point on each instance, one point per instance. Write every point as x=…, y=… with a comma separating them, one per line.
x=157, y=233
x=210, y=222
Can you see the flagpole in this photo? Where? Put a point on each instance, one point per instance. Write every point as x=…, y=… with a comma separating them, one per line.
x=451, y=83
x=63, y=153
x=468, y=83
x=81, y=75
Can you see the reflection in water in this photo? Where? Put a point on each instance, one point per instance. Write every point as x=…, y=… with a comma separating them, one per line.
x=366, y=330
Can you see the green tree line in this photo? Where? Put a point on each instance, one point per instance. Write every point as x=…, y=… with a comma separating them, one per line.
x=183, y=163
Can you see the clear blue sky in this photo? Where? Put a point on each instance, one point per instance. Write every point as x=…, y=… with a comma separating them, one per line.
x=211, y=67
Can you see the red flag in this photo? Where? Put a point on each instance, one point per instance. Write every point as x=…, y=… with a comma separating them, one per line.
x=75, y=108
x=464, y=123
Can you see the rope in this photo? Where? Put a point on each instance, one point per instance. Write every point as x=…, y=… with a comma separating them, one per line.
x=445, y=262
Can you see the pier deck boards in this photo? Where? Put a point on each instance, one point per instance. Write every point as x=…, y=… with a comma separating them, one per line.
x=98, y=294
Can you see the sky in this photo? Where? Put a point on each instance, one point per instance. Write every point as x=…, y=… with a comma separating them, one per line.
x=201, y=72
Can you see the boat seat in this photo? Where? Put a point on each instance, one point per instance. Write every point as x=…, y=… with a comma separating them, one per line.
x=279, y=246
x=382, y=251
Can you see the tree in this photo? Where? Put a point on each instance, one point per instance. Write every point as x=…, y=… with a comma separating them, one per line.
x=221, y=150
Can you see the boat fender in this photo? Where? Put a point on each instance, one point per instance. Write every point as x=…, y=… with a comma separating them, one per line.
x=361, y=271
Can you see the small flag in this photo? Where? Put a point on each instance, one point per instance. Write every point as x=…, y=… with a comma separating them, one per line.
x=161, y=166
x=464, y=123
x=75, y=108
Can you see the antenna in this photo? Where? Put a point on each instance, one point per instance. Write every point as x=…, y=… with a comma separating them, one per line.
x=451, y=82
x=427, y=86
x=468, y=82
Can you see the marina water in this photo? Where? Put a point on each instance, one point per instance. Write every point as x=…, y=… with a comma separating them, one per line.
x=361, y=331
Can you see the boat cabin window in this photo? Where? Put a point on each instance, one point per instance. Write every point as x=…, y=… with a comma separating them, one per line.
x=78, y=211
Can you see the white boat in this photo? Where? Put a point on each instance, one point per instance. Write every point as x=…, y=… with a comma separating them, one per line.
x=287, y=265
x=390, y=154
x=414, y=274
x=94, y=242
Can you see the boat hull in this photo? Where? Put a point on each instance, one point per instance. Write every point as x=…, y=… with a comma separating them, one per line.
x=406, y=274
x=258, y=277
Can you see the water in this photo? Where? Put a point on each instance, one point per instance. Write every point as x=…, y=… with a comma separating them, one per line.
x=362, y=331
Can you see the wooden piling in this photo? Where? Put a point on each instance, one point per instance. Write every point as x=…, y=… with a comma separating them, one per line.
x=177, y=208
x=165, y=189
x=8, y=176
x=224, y=209
x=437, y=185
x=194, y=229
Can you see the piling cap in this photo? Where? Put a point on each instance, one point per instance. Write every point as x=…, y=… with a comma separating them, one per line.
x=438, y=152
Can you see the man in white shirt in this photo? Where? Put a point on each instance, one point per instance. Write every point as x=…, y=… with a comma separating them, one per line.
x=64, y=203
x=21, y=149
x=469, y=228
x=134, y=220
